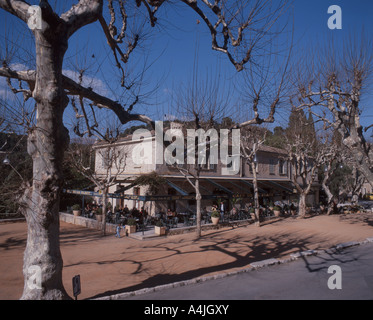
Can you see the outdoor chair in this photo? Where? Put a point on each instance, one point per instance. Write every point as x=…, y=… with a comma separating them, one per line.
x=117, y=218
x=108, y=218
x=144, y=225
x=146, y=221
x=175, y=221
x=157, y=216
x=189, y=220
x=205, y=218
x=192, y=219
x=186, y=221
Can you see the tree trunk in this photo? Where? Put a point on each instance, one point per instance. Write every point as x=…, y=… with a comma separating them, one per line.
x=302, y=205
x=329, y=194
x=358, y=147
x=198, y=209
x=47, y=142
x=256, y=195
x=104, y=209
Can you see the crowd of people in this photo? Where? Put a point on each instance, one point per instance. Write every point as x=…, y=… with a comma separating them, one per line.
x=117, y=214
x=120, y=215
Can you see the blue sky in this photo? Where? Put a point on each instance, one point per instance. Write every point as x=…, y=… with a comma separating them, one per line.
x=170, y=50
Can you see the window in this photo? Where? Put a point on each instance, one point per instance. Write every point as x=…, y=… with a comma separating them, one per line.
x=171, y=204
x=136, y=192
x=283, y=168
x=272, y=166
x=107, y=158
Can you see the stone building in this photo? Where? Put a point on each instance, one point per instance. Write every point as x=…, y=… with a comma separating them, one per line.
x=273, y=173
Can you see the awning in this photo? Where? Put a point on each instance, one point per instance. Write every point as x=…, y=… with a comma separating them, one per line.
x=281, y=186
x=272, y=184
x=240, y=187
x=220, y=186
x=110, y=195
x=124, y=188
x=177, y=188
x=252, y=186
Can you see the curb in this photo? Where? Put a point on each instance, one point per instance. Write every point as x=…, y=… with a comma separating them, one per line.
x=253, y=266
x=12, y=220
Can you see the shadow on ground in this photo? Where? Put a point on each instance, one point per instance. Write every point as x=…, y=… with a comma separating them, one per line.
x=241, y=252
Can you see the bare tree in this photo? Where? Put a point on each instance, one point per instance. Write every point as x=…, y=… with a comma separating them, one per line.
x=112, y=162
x=338, y=171
x=251, y=140
x=332, y=85
x=357, y=181
x=304, y=172
x=51, y=89
x=329, y=165
x=200, y=104
x=304, y=156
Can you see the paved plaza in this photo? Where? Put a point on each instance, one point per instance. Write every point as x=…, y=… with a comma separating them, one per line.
x=111, y=266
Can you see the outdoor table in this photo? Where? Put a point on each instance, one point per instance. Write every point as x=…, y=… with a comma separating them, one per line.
x=193, y=219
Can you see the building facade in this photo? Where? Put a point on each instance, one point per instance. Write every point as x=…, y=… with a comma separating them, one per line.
x=177, y=194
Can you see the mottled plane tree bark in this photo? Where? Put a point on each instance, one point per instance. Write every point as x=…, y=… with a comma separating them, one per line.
x=232, y=25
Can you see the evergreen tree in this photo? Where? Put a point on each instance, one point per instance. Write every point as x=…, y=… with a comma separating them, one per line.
x=311, y=132
x=297, y=125
x=277, y=139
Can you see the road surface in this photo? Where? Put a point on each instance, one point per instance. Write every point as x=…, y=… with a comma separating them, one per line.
x=304, y=278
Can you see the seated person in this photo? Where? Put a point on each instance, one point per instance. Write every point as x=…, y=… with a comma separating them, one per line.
x=126, y=211
x=170, y=213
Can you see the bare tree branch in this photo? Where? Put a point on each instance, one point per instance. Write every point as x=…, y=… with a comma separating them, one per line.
x=17, y=8
x=333, y=91
x=74, y=88
x=81, y=14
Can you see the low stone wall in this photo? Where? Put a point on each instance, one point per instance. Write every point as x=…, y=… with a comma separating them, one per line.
x=111, y=228
x=3, y=221
x=86, y=222
x=11, y=217
x=209, y=226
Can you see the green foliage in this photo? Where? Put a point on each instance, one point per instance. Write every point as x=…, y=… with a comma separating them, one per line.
x=159, y=223
x=131, y=222
x=73, y=179
x=132, y=129
x=153, y=180
x=341, y=178
x=215, y=214
x=227, y=122
x=277, y=139
x=303, y=128
x=13, y=146
x=235, y=200
x=75, y=207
